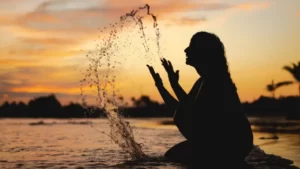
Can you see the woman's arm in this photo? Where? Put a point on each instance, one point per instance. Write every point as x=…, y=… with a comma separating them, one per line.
x=183, y=116
x=183, y=119
x=174, y=78
x=180, y=93
x=169, y=100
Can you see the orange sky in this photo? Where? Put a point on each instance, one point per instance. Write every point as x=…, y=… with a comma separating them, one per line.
x=44, y=43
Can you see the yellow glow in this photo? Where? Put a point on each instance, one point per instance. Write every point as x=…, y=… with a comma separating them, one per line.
x=256, y=50
x=253, y=6
x=5, y=96
x=46, y=89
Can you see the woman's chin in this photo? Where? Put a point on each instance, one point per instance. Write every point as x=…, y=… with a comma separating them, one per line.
x=188, y=62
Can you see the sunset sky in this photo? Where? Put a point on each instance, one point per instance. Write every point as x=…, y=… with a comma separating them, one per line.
x=44, y=42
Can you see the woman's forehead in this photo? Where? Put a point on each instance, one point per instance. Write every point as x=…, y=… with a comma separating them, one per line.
x=196, y=41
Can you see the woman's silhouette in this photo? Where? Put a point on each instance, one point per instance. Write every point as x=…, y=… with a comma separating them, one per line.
x=210, y=116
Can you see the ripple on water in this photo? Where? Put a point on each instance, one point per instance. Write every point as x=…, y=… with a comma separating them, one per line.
x=101, y=154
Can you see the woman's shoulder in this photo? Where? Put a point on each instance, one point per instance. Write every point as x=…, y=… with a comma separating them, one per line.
x=199, y=80
x=197, y=84
x=195, y=89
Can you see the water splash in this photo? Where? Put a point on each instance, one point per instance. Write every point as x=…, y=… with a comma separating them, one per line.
x=105, y=60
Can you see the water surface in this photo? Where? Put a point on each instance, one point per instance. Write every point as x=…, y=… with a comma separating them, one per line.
x=70, y=144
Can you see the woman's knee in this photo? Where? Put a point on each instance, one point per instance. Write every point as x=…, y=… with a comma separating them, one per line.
x=179, y=153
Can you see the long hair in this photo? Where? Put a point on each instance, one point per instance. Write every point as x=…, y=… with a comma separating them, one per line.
x=212, y=50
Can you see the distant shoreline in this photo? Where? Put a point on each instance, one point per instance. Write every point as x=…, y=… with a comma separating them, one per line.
x=50, y=107
x=265, y=126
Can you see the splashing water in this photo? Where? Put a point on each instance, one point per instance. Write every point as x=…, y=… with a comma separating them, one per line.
x=106, y=60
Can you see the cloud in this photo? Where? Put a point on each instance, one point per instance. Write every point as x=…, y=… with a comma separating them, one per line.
x=186, y=21
x=27, y=75
x=51, y=41
x=11, y=6
x=17, y=62
x=7, y=19
x=55, y=20
x=25, y=82
x=76, y=15
x=178, y=6
x=42, y=78
x=53, y=27
x=39, y=53
x=251, y=6
x=72, y=16
x=67, y=16
x=50, y=32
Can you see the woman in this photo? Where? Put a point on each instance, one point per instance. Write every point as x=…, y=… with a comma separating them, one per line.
x=210, y=116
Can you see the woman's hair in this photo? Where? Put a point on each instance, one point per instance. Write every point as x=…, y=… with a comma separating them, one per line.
x=211, y=50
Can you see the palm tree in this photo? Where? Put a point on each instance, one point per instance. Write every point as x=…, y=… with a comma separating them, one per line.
x=272, y=87
x=295, y=71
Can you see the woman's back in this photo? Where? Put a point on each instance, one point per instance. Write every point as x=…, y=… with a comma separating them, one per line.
x=222, y=118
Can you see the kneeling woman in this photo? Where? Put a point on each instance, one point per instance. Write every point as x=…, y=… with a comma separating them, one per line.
x=210, y=116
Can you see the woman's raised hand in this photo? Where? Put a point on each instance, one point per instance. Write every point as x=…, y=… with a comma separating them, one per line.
x=173, y=76
x=155, y=76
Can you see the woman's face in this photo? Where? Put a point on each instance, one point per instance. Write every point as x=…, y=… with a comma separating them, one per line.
x=193, y=56
x=204, y=54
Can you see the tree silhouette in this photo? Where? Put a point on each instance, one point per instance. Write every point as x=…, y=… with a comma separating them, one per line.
x=144, y=101
x=295, y=71
x=49, y=105
x=273, y=87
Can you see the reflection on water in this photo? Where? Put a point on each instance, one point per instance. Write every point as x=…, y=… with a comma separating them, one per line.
x=66, y=144
x=287, y=146
x=73, y=145
x=288, y=131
